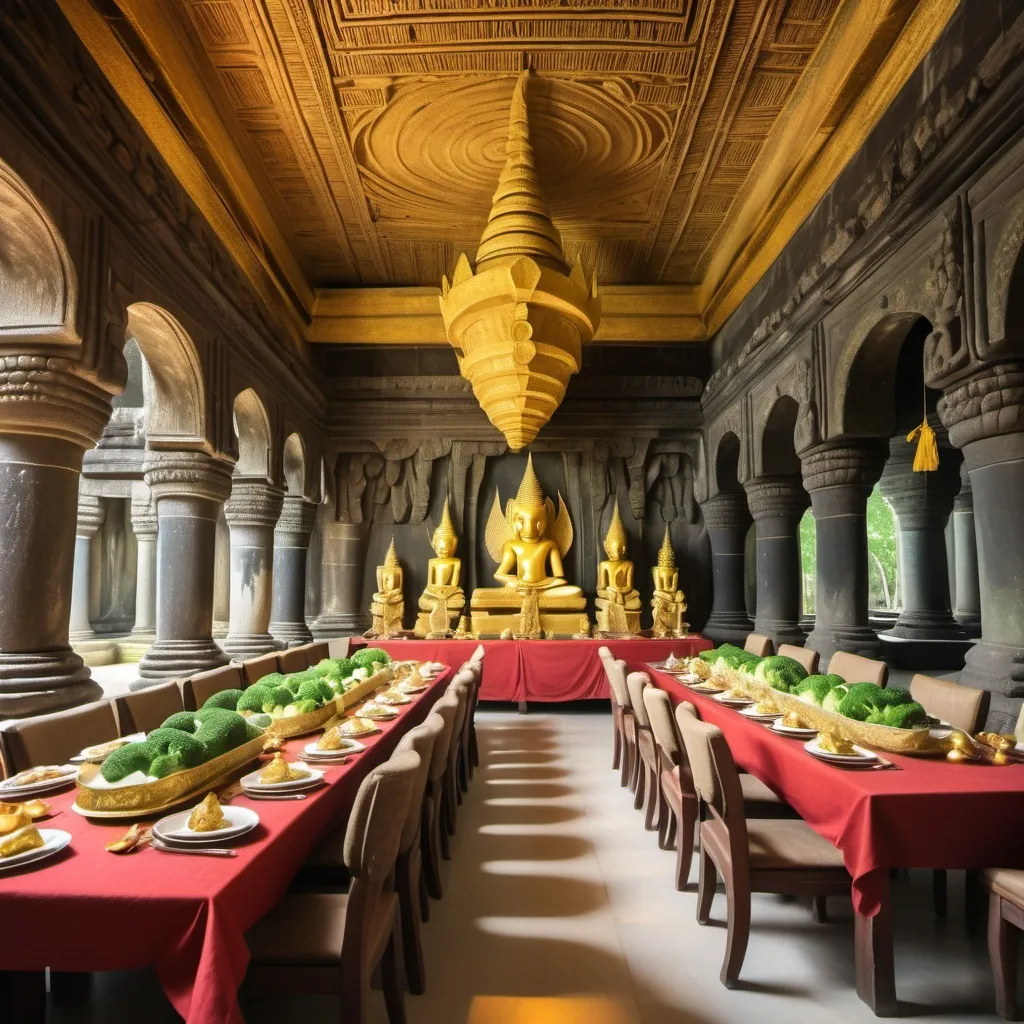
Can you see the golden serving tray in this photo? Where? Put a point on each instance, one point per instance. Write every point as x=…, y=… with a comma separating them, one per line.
x=301, y=725
x=359, y=693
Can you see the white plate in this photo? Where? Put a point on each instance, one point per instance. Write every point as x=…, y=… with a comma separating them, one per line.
x=760, y=716
x=404, y=687
x=80, y=757
x=174, y=827
x=252, y=782
x=734, y=702
x=789, y=730
x=392, y=714
x=47, y=786
x=393, y=702
x=704, y=688
x=350, y=747
x=54, y=840
x=862, y=755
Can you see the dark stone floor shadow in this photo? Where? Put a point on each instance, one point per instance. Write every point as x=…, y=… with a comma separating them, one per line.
x=541, y=846
x=514, y=895
x=525, y=814
x=528, y=789
x=513, y=758
x=529, y=771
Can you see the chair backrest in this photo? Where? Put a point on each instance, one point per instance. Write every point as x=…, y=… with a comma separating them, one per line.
x=52, y=739
x=461, y=690
x=808, y=658
x=663, y=725
x=616, y=673
x=145, y=710
x=198, y=689
x=963, y=707
x=444, y=709
x=338, y=647
x=254, y=669
x=636, y=682
x=855, y=669
x=320, y=649
x=295, y=659
x=758, y=645
x=421, y=741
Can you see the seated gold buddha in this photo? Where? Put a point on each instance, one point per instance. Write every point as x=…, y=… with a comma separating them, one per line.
x=618, y=602
x=668, y=603
x=442, y=599
x=528, y=542
x=388, y=604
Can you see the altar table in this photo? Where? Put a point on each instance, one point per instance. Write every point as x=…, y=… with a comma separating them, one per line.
x=89, y=910
x=928, y=814
x=544, y=670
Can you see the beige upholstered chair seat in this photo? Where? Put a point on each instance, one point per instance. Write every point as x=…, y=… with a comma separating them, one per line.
x=309, y=929
x=756, y=792
x=1007, y=882
x=780, y=843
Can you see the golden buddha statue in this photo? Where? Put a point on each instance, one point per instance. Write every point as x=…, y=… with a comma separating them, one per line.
x=528, y=542
x=668, y=603
x=442, y=599
x=388, y=604
x=618, y=602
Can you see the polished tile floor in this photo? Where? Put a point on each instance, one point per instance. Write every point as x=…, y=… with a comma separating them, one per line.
x=560, y=908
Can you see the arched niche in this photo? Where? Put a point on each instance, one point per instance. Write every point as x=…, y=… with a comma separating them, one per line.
x=252, y=428
x=727, y=463
x=38, y=283
x=778, y=449
x=295, y=465
x=172, y=379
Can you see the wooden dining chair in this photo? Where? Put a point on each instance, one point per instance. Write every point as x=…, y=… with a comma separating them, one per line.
x=433, y=831
x=318, y=650
x=338, y=647
x=856, y=669
x=668, y=748
x=254, y=669
x=465, y=766
x=198, y=689
x=775, y=855
x=328, y=942
x=808, y=658
x=758, y=645
x=647, y=790
x=145, y=710
x=620, y=701
x=477, y=658
x=452, y=795
x=1005, y=919
x=52, y=739
x=294, y=659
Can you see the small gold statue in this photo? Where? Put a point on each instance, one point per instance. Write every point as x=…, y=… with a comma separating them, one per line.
x=618, y=602
x=465, y=630
x=388, y=605
x=528, y=542
x=668, y=602
x=442, y=598
x=583, y=633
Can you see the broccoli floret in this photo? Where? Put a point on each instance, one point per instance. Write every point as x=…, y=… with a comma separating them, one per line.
x=814, y=689
x=299, y=707
x=227, y=699
x=184, y=721
x=253, y=731
x=905, y=716
x=254, y=698
x=187, y=747
x=220, y=730
x=133, y=757
x=261, y=721
x=370, y=656
x=279, y=695
x=335, y=668
x=890, y=696
x=165, y=764
x=270, y=680
x=780, y=672
x=834, y=697
x=315, y=690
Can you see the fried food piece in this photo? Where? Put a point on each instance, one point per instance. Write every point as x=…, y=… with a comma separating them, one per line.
x=21, y=841
x=33, y=808
x=356, y=727
x=279, y=770
x=208, y=816
x=832, y=744
x=33, y=775
x=793, y=720
x=13, y=821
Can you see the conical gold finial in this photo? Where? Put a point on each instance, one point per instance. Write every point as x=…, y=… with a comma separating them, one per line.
x=391, y=558
x=530, y=494
x=616, y=531
x=445, y=530
x=519, y=224
x=666, y=556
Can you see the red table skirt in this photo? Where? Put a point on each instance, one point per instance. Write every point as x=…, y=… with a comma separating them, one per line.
x=928, y=814
x=89, y=910
x=544, y=670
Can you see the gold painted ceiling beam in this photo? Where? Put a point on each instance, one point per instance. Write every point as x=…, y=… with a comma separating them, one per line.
x=632, y=314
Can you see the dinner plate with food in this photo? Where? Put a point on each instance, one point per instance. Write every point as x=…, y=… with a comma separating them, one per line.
x=762, y=711
x=332, y=744
x=281, y=776
x=837, y=750
x=207, y=822
x=378, y=712
x=734, y=699
x=355, y=727
x=392, y=697
x=26, y=844
x=44, y=779
x=704, y=686
x=788, y=725
x=97, y=753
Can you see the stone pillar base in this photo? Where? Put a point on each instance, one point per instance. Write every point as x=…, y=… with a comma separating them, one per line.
x=291, y=634
x=781, y=632
x=33, y=684
x=999, y=669
x=220, y=629
x=901, y=652
x=143, y=636
x=174, y=659
x=921, y=624
x=249, y=645
x=852, y=639
x=328, y=626
x=721, y=629
x=970, y=623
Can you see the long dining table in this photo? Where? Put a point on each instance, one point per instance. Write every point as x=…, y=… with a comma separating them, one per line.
x=86, y=909
x=921, y=813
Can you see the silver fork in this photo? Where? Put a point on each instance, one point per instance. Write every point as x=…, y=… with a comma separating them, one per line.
x=208, y=851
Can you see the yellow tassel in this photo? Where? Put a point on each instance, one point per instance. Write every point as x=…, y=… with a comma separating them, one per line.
x=926, y=458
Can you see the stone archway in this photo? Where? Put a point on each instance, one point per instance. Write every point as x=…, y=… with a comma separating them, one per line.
x=252, y=429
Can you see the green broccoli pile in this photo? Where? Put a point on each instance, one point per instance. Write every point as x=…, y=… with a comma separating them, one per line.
x=370, y=656
x=284, y=696
x=876, y=705
x=185, y=740
x=814, y=688
x=780, y=673
x=730, y=656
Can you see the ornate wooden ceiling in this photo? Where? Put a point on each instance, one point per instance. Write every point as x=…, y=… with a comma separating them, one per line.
x=356, y=143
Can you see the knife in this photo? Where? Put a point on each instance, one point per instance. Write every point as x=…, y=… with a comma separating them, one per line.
x=209, y=851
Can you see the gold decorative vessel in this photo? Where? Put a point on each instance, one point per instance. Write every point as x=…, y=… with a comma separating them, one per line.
x=363, y=690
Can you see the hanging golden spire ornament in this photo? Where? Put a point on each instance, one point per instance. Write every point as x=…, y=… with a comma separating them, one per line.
x=518, y=323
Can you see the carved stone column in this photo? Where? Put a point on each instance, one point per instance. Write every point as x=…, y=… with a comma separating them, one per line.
x=922, y=503
x=144, y=525
x=49, y=416
x=188, y=489
x=344, y=552
x=727, y=520
x=91, y=514
x=252, y=512
x=291, y=550
x=985, y=418
x=221, y=578
x=839, y=479
x=777, y=505
x=968, y=590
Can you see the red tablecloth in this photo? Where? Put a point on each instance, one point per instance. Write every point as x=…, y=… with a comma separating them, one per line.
x=89, y=910
x=930, y=814
x=544, y=670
